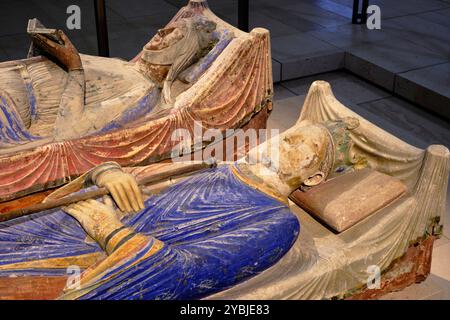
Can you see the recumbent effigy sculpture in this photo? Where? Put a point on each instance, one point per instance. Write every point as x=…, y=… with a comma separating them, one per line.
x=184, y=242
x=69, y=115
x=226, y=232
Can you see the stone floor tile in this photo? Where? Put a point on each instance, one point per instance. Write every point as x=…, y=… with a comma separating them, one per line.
x=310, y=65
x=443, y=240
x=429, y=87
x=379, y=62
x=408, y=122
x=275, y=26
x=426, y=290
x=441, y=17
x=285, y=113
x=441, y=261
x=298, y=14
x=303, y=55
x=397, y=8
x=345, y=87
x=344, y=9
x=276, y=71
x=281, y=92
x=350, y=35
x=430, y=35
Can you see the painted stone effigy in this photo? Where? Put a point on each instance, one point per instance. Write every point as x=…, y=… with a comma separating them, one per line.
x=58, y=120
x=226, y=232
x=220, y=230
x=397, y=239
x=201, y=235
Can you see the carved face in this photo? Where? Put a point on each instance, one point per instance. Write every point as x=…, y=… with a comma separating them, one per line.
x=204, y=25
x=204, y=29
x=175, y=32
x=166, y=37
x=302, y=151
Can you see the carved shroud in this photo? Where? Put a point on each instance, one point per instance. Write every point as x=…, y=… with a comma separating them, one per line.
x=236, y=86
x=325, y=265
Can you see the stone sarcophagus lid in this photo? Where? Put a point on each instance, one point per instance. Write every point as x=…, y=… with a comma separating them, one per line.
x=197, y=69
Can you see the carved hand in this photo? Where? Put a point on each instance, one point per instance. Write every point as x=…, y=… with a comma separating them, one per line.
x=124, y=189
x=66, y=53
x=96, y=218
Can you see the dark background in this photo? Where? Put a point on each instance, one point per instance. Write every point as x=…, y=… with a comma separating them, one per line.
x=131, y=23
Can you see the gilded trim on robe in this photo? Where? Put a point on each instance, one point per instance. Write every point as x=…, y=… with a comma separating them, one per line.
x=237, y=170
x=83, y=261
x=92, y=277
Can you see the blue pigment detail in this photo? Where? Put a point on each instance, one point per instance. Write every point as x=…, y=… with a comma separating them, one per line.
x=142, y=108
x=31, y=100
x=204, y=63
x=12, y=129
x=217, y=232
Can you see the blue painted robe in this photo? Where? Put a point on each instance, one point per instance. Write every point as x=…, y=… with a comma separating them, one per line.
x=217, y=231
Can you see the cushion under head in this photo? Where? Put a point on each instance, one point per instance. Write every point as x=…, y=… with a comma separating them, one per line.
x=347, y=199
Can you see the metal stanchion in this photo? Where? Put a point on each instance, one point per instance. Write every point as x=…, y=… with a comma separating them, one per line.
x=360, y=17
x=243, y=12
x=102, y=28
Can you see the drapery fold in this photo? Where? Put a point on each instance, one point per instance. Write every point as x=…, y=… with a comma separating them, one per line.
x=325, y=265
x=235, y=87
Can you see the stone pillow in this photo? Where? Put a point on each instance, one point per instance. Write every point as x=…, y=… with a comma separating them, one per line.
x=345, y=200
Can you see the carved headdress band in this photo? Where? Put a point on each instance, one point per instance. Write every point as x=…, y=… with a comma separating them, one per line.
x=338, y=158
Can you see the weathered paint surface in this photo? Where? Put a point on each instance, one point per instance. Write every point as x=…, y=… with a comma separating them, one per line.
x=12, y=129
x=324, y=265
x=232, y=84
x=194, y=72
x=413, y=267
x=216, y=231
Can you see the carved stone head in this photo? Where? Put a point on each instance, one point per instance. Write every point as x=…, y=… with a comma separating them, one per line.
x=204, y=29
x=303, y=154
x=306, y=154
